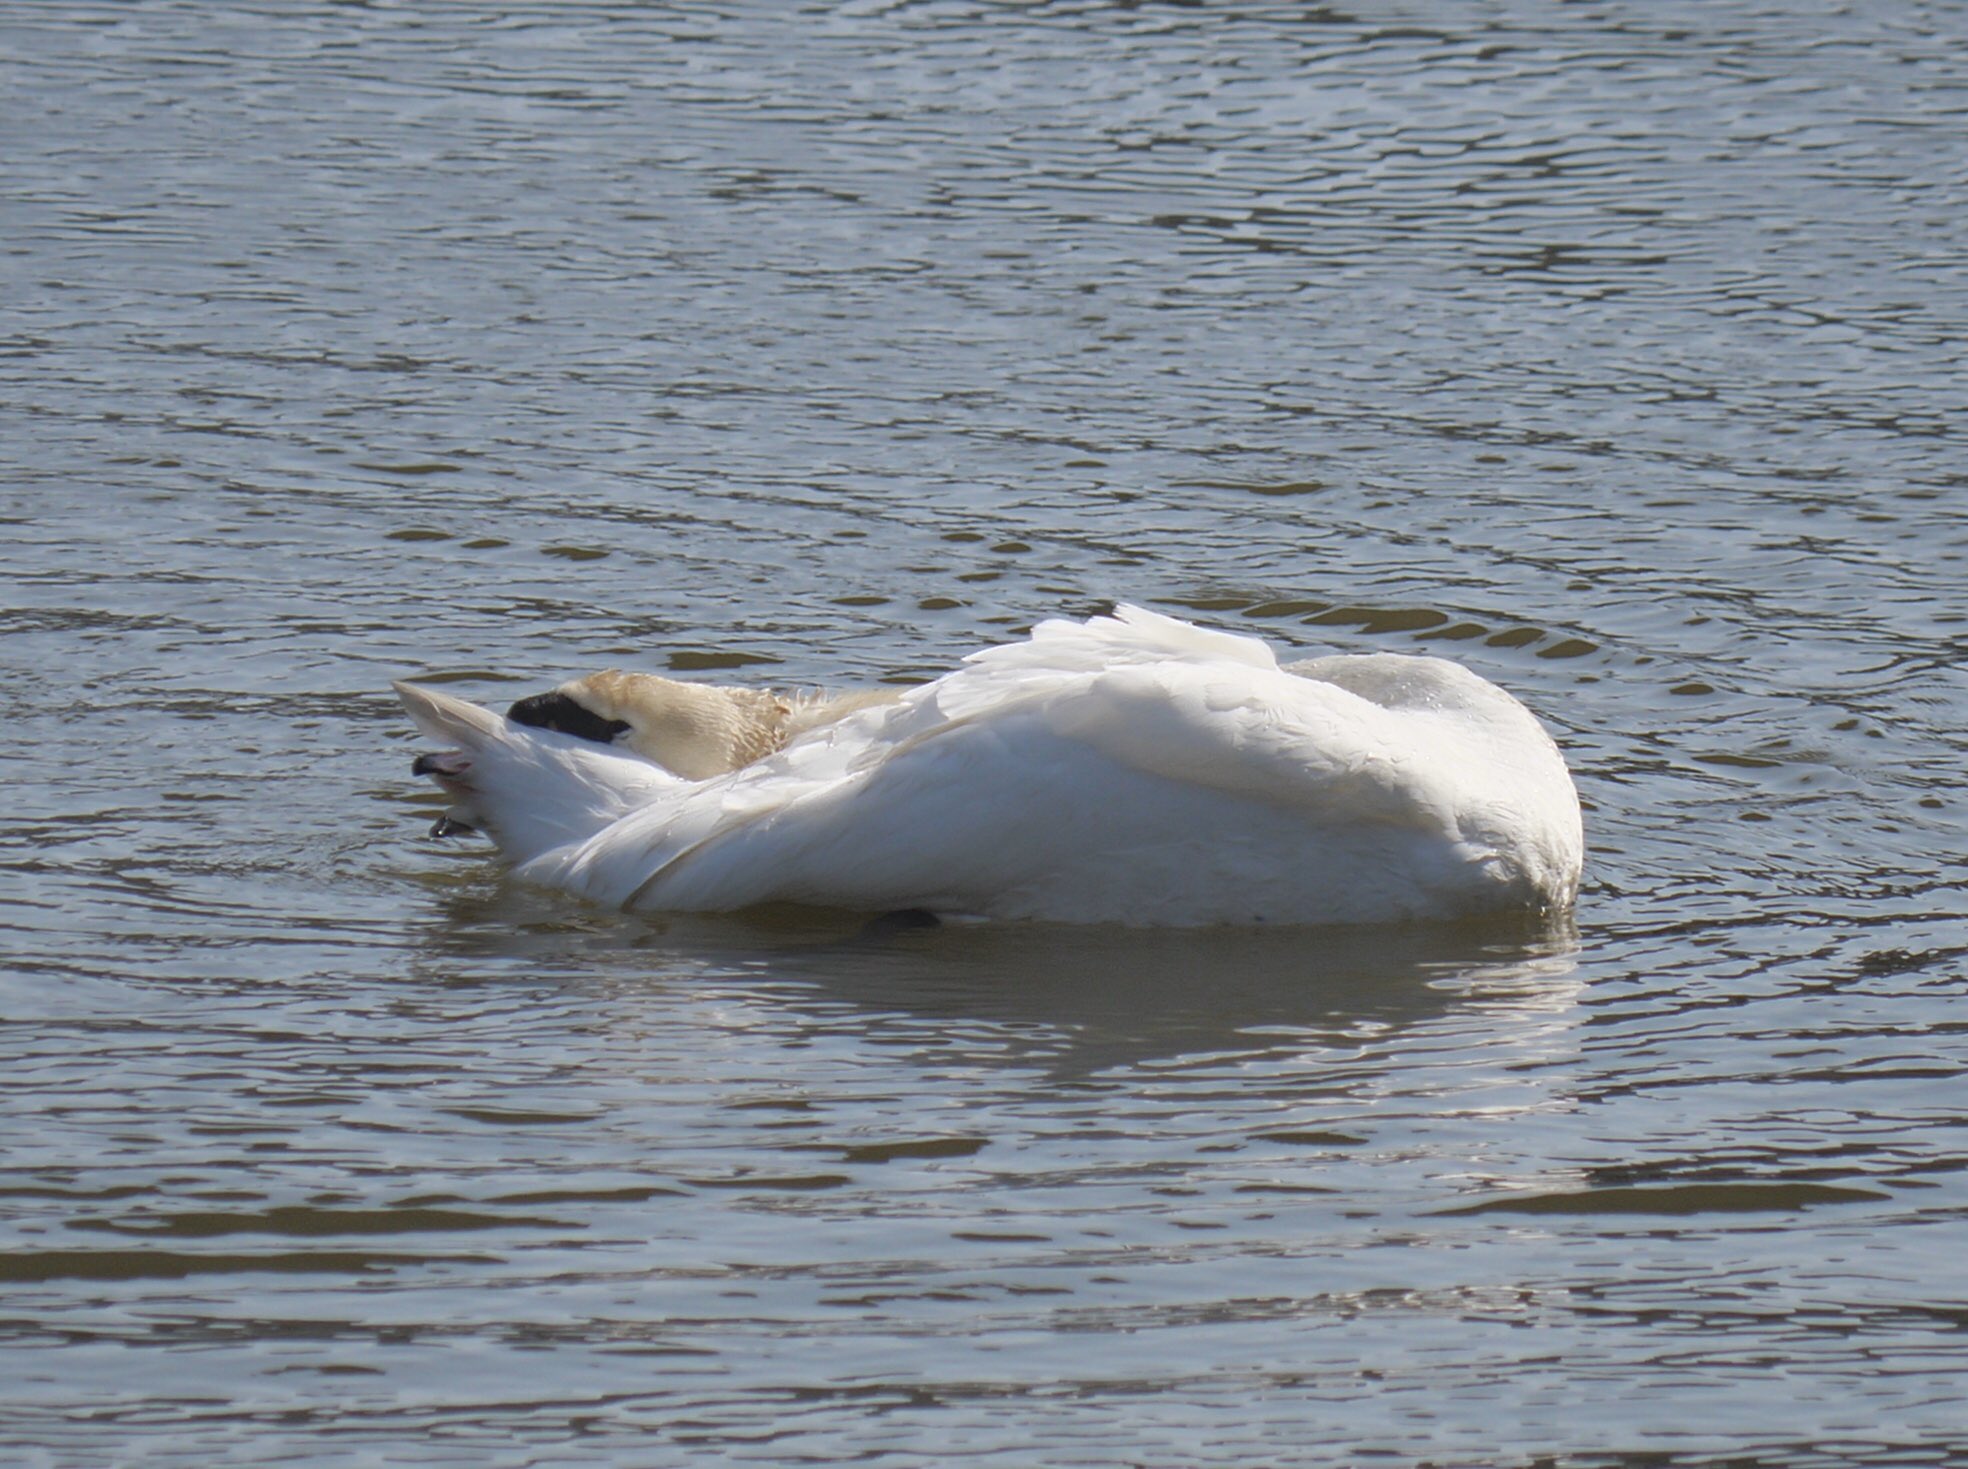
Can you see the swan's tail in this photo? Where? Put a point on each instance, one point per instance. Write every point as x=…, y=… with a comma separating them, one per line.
x=530, y=790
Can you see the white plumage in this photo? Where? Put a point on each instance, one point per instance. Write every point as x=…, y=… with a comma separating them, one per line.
x=1130, y=769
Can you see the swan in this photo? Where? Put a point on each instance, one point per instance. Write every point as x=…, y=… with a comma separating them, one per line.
x=1132, y=769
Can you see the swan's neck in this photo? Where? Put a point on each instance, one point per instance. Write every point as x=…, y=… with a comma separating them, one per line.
x=695, y=730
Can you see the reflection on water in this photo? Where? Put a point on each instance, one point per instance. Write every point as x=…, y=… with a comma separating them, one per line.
x=1614, y=352
x=1088, y=998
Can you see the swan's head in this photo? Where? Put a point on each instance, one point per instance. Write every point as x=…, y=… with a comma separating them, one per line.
x=692, y=730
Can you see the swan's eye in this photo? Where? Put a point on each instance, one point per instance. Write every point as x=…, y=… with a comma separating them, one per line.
x=559, y=712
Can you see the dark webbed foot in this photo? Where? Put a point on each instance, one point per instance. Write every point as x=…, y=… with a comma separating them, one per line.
x=902, y=920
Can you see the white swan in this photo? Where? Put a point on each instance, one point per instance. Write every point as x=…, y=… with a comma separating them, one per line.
x=1130, y=769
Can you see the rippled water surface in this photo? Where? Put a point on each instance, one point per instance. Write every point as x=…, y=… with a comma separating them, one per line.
x=1613, y=349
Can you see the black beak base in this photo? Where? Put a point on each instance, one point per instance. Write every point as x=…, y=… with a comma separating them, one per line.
x=556, y=711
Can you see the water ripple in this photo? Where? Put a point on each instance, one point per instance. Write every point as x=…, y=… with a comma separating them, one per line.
x=1614, y=353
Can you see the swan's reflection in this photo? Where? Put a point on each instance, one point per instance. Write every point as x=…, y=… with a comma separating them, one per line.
x=1081, y=998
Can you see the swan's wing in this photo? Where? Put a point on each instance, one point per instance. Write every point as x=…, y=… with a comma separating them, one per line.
x=1133, y=635
x=1264, y=735
x=1060, y=655
x=1098, y=780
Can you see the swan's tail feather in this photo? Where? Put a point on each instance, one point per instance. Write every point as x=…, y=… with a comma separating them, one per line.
x=530, y=790
x=447, y=717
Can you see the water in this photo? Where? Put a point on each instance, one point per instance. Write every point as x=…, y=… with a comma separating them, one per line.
x=1613, y=350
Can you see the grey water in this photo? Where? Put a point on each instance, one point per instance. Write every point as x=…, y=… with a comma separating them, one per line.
x=1612, y=349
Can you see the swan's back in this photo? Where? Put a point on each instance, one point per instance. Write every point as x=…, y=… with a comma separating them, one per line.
x=1132, y=769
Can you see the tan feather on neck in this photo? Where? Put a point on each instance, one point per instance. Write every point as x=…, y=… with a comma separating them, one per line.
x=701, y=730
